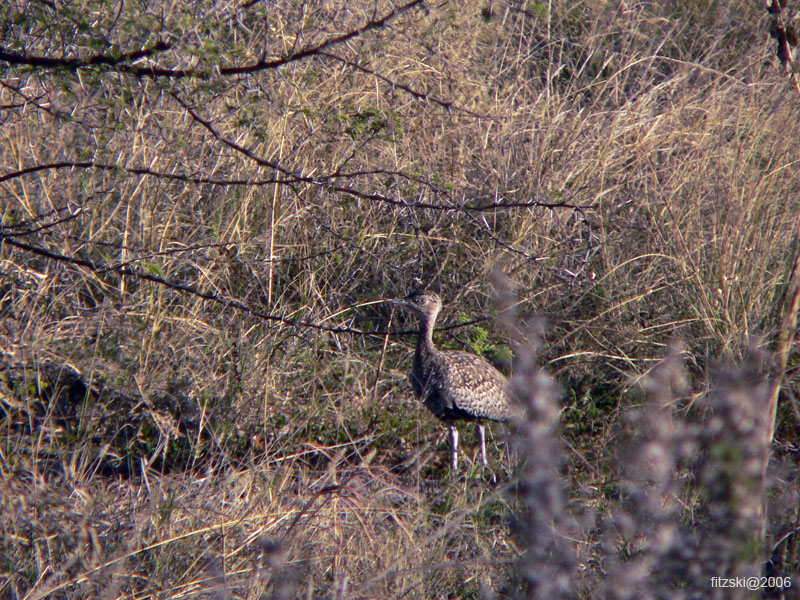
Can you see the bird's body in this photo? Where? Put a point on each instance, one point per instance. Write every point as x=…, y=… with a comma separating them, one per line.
x=454, y=385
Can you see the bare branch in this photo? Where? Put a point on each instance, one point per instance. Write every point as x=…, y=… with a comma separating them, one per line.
x=422, y=96
x=72, y=64
x=121, y=63
x=226, y=302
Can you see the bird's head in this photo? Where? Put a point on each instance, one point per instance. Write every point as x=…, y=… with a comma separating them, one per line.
x=423, y=303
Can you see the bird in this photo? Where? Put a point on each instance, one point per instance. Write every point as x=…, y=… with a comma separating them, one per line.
x=454, y=385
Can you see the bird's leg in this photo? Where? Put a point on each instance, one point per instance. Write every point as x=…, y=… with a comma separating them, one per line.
x=454, y=446
x=482, y=437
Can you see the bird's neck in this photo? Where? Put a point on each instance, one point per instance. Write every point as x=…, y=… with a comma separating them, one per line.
x=425, y=337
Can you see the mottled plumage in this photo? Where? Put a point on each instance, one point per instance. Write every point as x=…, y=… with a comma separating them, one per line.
x=454, y=385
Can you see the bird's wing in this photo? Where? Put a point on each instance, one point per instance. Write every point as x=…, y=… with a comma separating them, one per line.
x=474, y=386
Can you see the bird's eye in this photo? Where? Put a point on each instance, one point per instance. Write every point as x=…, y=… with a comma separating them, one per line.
x=423, y=300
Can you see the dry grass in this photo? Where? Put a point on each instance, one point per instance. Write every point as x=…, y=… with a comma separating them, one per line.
x=200, y=393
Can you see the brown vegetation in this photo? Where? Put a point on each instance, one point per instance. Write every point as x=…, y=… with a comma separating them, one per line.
x=204, y=204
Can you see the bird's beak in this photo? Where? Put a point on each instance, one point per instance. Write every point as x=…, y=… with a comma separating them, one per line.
x=401, y=302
